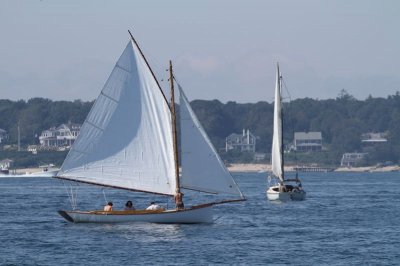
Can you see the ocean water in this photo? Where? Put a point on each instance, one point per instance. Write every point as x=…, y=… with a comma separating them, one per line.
x=347, y=219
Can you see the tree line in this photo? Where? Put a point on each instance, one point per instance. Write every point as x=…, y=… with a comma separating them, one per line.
x=341, y=120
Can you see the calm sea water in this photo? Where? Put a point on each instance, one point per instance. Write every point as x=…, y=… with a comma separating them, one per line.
x=347, y=219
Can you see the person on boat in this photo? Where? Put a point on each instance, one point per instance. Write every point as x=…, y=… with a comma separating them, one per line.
x=129, y=206
x=179, y=201
x=154, y=207
x=108, y=207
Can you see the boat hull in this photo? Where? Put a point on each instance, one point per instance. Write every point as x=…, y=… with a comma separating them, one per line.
x=277, y=196
x=296, y=195
x=187, y=216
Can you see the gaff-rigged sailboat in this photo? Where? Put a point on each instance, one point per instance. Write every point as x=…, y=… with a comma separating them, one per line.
x=282, y=190
x=128, y=141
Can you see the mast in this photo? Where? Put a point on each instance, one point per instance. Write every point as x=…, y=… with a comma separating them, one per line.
x=19, y=138
x=281, y=117
x=174, y=135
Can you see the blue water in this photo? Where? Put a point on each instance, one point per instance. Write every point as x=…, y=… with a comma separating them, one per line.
x=347, y=219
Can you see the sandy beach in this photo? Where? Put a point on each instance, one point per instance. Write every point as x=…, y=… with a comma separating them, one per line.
x=267, y=167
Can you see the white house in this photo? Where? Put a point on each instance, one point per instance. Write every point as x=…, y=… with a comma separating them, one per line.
x=352, y=159
x=62, y=136
x=5, y=164
x=372, y=138
x=241, y=142
x=308, y=141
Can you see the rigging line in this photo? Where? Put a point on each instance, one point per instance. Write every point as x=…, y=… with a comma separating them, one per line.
x=289, y=111
x=70, y=194
x=104, y=194
x=287, y=90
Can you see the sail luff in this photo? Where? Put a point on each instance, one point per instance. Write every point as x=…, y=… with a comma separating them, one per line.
x=148, y=65
x=277, y=152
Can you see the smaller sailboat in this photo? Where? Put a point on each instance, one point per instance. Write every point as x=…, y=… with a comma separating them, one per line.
x=285, y=188
x=129, y=141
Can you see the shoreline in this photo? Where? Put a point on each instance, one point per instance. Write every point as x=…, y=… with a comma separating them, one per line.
x=242, y=167
x=239, y=167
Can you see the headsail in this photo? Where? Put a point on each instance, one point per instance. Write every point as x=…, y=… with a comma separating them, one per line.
x=202, y=168
x=126, y=140
x=277, y=153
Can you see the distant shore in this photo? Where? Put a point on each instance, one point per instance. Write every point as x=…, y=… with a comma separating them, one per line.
x=267, y=168
x=241, y=167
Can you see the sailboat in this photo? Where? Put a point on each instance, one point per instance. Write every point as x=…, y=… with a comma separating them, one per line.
x=282, y=190
x=129, y=141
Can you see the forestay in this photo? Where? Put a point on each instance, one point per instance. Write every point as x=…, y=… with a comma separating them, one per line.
x=276, y=154
x=126, y=140
x=202, y=168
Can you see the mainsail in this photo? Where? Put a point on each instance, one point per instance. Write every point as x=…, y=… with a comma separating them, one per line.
x=277, y=153
x=202, y=168
x=126, y=140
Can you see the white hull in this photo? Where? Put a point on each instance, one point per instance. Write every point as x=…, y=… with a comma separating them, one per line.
x=285, y=196
x=36, y=174
x=200, y=214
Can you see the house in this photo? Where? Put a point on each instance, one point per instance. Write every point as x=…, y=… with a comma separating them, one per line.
x=352, y=159
x=259, y=156
x=5, y=164
x=3, y=135
x=62, y=136
x=241, y=142
x=371, y=138
x=307, y=141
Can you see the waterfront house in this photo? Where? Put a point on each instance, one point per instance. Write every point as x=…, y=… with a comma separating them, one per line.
x=5, y=164
x=352, y=159
x=241, y=142
x=372, y=138
x=307, y=141
x=62, y=136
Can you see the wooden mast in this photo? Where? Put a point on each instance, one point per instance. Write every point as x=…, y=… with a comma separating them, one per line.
x=175, y=139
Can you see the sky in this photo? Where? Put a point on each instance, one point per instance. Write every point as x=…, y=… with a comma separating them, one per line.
x=220, y=49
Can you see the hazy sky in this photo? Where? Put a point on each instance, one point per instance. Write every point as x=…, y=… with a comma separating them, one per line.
x=221, y=49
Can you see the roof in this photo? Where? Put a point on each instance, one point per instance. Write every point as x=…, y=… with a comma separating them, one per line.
x=235, y=136
x=307, y=135
x=6, y=161
x=373, y=137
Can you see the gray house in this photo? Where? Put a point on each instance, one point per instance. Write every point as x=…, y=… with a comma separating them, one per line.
x=307, y=141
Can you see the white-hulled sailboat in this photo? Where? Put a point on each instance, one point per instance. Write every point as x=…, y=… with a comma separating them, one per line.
x=281, y=191
x=128, y=141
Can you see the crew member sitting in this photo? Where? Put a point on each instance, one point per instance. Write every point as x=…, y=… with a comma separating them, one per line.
x=129, y=206
x=153, y=207
x=108, y=207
